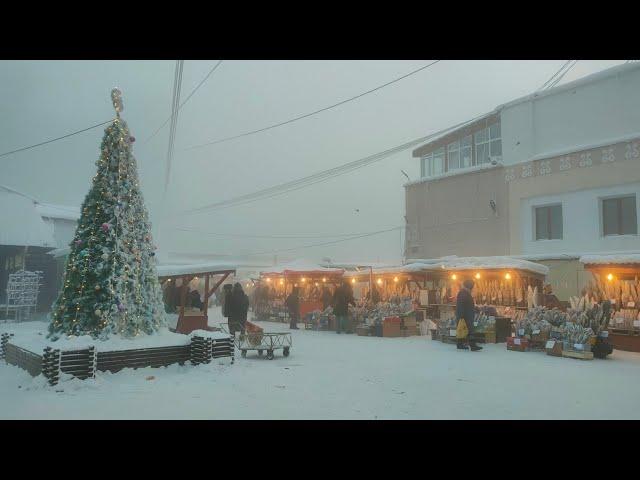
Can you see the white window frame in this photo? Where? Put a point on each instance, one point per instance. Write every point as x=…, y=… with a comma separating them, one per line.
x=453, y=147
x=535, y=222
x=470, y=147
x=601, y=208
x=488, y=140
x=434, y=154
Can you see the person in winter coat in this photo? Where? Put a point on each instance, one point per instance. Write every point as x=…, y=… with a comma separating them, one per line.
x=342, y=298
x=226, y=301
x=238, y=309
x=326, y=298
x=293, y=304
x=196, y=301
x=465, y=309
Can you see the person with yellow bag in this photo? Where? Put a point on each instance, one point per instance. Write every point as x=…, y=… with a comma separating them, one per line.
x=465, y=314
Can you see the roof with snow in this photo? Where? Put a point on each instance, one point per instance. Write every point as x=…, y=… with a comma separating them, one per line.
x=299, y=267
x=194, y=268
x=63, y=212
x=619, y=258
x=487, y=263
x=20, y=223
x=390, y=270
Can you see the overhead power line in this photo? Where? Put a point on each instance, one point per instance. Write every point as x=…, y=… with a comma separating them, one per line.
x=300, y=117
x=302, y=247
x=185, y=101
x=177, y=83
x=54, y=139
x=320, y=176
x=278, y=237
x=555, y=82
x=564, y=65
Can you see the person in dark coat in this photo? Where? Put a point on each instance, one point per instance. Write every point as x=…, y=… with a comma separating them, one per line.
x=238, y=310
x=226, y=301
x=196, y=301
x=342, y=298
x=465, y=309
x=326, y=298
x=293, y=304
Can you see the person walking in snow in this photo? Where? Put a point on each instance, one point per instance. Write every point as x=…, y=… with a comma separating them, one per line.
x=342, y=298
x=238, y=310
x=465, y=309
x=226, y=302
x=293, y=304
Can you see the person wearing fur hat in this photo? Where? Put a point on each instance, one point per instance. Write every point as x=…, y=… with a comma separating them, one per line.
x=465, y=309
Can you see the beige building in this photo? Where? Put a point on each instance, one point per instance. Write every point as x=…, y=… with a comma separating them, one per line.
x=546, y=177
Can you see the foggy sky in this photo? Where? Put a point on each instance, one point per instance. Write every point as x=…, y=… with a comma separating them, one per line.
x=45, y=99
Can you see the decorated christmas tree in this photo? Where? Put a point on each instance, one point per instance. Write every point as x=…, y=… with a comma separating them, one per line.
x=110, y=282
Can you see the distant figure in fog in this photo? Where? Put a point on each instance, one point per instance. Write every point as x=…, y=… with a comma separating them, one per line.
x=293, y=304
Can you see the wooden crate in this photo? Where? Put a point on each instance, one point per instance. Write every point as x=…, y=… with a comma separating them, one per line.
x=578, y=355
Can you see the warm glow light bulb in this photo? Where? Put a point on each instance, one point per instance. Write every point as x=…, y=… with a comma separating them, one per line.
x=454, y=276
x=508, y=276
x=477, y=275
x=395, y=279
x=353, y=280
x=268, y=279
x=379, y=281
x=281, y=281
x=610, y=277
x=324, y=279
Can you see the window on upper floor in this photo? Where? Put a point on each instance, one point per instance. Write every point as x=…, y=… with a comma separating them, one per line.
x=488, y=144
x=437, y=163
x=619, y=216
x=466, y=152
x=453, y=156
x=548, y=222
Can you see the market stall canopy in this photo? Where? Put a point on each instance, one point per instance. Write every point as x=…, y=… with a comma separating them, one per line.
x=487, y=263
x=617, y=259
x=194, y=269
x=302, y=267
x=20, y=222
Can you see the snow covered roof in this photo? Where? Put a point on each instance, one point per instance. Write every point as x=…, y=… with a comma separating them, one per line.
x=20, y=223
x=390, y=270
x=194, y=268
x=50, y=210
x=618, y=258
x=487, y=263
x=300, y=267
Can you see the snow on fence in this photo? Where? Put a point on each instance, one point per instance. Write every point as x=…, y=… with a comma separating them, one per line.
x=83, y=363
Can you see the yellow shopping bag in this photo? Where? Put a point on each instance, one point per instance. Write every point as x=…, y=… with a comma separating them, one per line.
x=461, y=330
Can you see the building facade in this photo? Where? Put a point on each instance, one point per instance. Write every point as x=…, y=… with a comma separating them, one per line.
x=553, y=174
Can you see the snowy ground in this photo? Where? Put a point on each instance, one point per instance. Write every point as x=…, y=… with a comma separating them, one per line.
x=330, y=376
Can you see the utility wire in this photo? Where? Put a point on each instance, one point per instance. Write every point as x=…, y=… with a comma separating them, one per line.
x=302, y=247
x=320, y=176
x=185, y=101
x=300, y=117
x=555, y=75
x=177, y=83
x=54, y=139
x=279, y=237
x=555, y=82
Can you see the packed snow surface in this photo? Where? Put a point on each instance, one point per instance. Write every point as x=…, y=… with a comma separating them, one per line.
x=330, y=376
